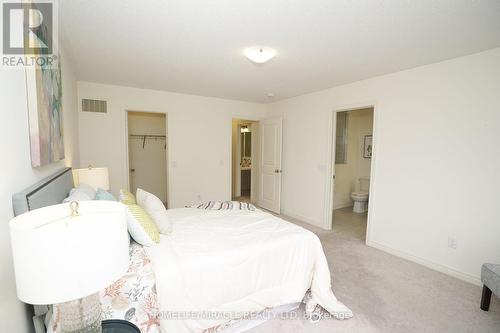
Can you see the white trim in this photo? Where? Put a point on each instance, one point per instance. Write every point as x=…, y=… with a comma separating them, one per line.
x=287, y=213
x=475, y=280
x=253, y=174
x=125, y=149
x=344, y=205
x=330, y=153
x=237, y=161
x=427, y=263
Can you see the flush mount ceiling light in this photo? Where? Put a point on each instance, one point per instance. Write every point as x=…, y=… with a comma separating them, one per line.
x=259, y=54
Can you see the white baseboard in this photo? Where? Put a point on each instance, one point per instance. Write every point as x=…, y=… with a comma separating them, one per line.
x=476, y=280
x=428, y=263
x=301, y=218
x=343, y=205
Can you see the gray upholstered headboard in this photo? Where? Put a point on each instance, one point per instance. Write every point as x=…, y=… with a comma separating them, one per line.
x=49, y=191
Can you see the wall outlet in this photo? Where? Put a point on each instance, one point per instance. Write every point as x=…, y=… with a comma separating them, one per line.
x=452, y=243
x=198, y=197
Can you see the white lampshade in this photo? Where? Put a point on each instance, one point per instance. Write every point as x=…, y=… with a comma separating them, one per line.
x=59, y=258
x=95, y=177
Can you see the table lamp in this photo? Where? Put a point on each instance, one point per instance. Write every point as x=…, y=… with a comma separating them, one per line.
x=65, y=254
x=95, y=177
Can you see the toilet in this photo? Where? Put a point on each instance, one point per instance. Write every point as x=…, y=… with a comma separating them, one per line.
x=360, y=198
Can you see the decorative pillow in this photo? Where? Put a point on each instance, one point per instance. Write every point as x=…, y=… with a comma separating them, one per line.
x=140, y=226
x=225, y=205
x=81, y=193
x=156, y=209
x=127, y=198
x=104, y=195
x=140, y=196
x=77, y=196
x=89, y=190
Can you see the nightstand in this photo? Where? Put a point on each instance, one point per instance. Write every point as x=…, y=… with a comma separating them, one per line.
x=118, y=326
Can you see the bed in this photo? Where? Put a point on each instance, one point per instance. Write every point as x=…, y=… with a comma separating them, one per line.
x=218, y=271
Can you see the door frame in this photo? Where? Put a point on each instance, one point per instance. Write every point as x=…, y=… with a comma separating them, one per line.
x=127, y=152
x=254, y=128
x=237, y=163
x=330, y=153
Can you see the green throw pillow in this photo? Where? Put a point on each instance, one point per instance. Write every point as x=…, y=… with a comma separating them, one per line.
x=104, y=195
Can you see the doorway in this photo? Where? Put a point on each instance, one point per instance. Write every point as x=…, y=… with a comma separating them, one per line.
x=351, y=164
x=244, y=153
x=147, y=153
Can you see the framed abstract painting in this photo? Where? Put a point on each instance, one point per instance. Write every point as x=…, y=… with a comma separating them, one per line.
x=367, y=146
x=44, y=91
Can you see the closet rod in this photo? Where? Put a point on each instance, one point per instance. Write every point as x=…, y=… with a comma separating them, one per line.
x=148, y=136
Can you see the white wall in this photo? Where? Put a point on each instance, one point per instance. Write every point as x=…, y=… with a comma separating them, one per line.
x=199, y=138
x=359, y=124
x=17, y=173
x=436, y=160
x=148, y=158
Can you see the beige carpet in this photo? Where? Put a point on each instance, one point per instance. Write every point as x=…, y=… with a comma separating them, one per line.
x=389, y=294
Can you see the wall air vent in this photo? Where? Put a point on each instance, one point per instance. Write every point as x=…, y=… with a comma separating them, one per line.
x=93, y=105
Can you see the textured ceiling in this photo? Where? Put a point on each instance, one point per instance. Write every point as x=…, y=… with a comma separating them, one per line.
x=196, y=47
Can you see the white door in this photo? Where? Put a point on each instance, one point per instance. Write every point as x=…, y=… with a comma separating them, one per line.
x=270, y=164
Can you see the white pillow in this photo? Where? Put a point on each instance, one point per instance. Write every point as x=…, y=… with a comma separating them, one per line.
x=156, y=209
x=77, y=196
x=84, y=188
x=83, y=192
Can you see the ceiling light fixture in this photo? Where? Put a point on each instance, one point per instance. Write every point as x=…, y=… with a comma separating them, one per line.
x=259, y=54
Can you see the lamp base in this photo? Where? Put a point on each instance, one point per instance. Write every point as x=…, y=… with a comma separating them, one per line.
x=81, y=316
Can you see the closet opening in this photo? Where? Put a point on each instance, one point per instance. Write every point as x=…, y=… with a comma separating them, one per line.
x=147, y=153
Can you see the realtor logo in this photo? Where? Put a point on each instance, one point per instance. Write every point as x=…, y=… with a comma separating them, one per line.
x=28, y=33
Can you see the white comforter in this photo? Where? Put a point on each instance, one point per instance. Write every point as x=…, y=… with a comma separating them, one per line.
x=227, y=263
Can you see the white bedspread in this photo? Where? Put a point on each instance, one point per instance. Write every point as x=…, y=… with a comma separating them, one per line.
x=233, y=262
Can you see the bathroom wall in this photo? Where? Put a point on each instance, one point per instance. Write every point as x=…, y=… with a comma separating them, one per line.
x=359, y=124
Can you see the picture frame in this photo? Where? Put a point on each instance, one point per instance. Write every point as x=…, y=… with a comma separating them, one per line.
x=367, y=146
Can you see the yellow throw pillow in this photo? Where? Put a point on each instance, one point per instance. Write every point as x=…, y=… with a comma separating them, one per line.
x=127, y=198
x=141, y=226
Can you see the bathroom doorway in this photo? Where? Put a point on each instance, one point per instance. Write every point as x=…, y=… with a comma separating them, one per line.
x=351, y=169
x=147, y=153
x=244, y=155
